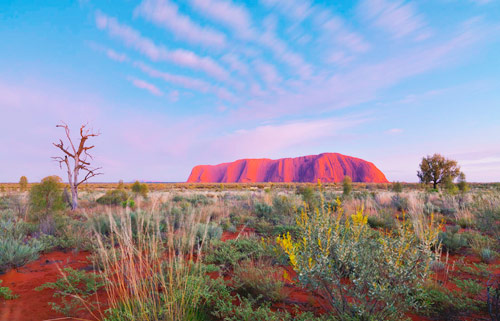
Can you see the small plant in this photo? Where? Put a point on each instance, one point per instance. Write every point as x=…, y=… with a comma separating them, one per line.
x=128, y=203
x=397, y=187
x=452, y=240
x=140, y=189
x=347, y=185
x=6, y=293
x=75, y=289
x=258, y=280
x=208, y=232
x=23, y=183
x=113, y=197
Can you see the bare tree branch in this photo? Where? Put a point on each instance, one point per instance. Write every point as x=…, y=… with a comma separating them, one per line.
x=80, y=158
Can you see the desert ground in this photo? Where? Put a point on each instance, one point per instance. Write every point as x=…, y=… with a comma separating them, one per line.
x=250, y=252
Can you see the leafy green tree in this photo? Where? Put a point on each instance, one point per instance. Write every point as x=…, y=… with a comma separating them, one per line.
x=347, y=185
x=46, y=197
x=23, y=183
x=436, y=169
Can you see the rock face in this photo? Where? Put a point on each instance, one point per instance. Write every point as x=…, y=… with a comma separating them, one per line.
x=327, y=167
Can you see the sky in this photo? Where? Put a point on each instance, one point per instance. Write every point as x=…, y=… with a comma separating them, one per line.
x=171, y=84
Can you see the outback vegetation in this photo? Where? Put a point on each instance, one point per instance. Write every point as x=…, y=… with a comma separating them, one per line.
x=348, y=251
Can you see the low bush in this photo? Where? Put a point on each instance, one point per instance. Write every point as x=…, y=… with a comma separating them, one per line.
x=74, y=289
x=451, y=240
x=46, y=198
x=258, y=279
x=113, y=197
x=15, y=250
x=208, y=232
x=230, y=252
x=6, y=293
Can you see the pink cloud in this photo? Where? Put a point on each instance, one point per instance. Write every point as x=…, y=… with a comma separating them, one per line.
x=134, y=39
x=226, y=13
x=166, y=14
x=139, y=83
x=187, y=82
x=396, y=17
x=267, y=140
x=120, y=57
x=184, y=81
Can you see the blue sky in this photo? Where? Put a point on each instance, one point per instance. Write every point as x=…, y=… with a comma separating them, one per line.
x=172, y=84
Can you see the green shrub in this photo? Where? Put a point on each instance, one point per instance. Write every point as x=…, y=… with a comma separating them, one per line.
x=397, y=187
x=347, y=185
x=263, y=210
x=6, y=293
x=208, y=232
x=400, y=203
x=451, y=240
x=15, y=251
x=230, y=252
x=113, y=197
x=388, y=266
x=257, y=279
x=46, y=198
x=443, y=304
x=74, y=288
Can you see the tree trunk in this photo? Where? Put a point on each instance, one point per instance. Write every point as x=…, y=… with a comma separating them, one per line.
x=74, y=197
x=435, y=184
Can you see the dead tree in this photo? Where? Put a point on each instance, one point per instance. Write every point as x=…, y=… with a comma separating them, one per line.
x=77, y=159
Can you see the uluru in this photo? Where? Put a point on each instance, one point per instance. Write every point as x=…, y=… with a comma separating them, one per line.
x=326, y=167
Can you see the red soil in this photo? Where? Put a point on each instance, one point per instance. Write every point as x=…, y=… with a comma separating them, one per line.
x=327, y=167
x=33, y=305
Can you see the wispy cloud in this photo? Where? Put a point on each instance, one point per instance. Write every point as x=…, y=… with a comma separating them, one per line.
x=166, y=14
x=134, y=39
x=142, y=84
x=394, y=131
x=397, y=17
x=227, y=13
x=266, y=140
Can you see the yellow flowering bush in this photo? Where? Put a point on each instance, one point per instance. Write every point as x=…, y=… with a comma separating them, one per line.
x=362, y=273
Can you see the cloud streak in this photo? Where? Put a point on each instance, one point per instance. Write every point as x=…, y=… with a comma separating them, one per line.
x=166, y=14
x=146, y=46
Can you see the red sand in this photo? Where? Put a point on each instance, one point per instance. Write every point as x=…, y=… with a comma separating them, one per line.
x=327, y=167
x=33, y=305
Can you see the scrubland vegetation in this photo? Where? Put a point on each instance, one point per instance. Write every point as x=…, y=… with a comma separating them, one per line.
x=345, y=251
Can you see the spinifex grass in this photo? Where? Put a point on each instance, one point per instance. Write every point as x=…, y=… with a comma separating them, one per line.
x=153, y=271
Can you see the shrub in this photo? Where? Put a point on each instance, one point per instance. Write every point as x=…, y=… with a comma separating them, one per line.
x=140, y=189
x=14, y=250
x=258, y=279
x=74, y=289
x=263, y=210
x=113, y=197
x=443, y=304
x=23, y=183
x=400, y=203
x=331, y=248
x=208, y=232
x=451, y=240
x=462, y=183
x=6, y=293
x=347, y=185
x=397, y=187
x=46, y=197
x=230, y=252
